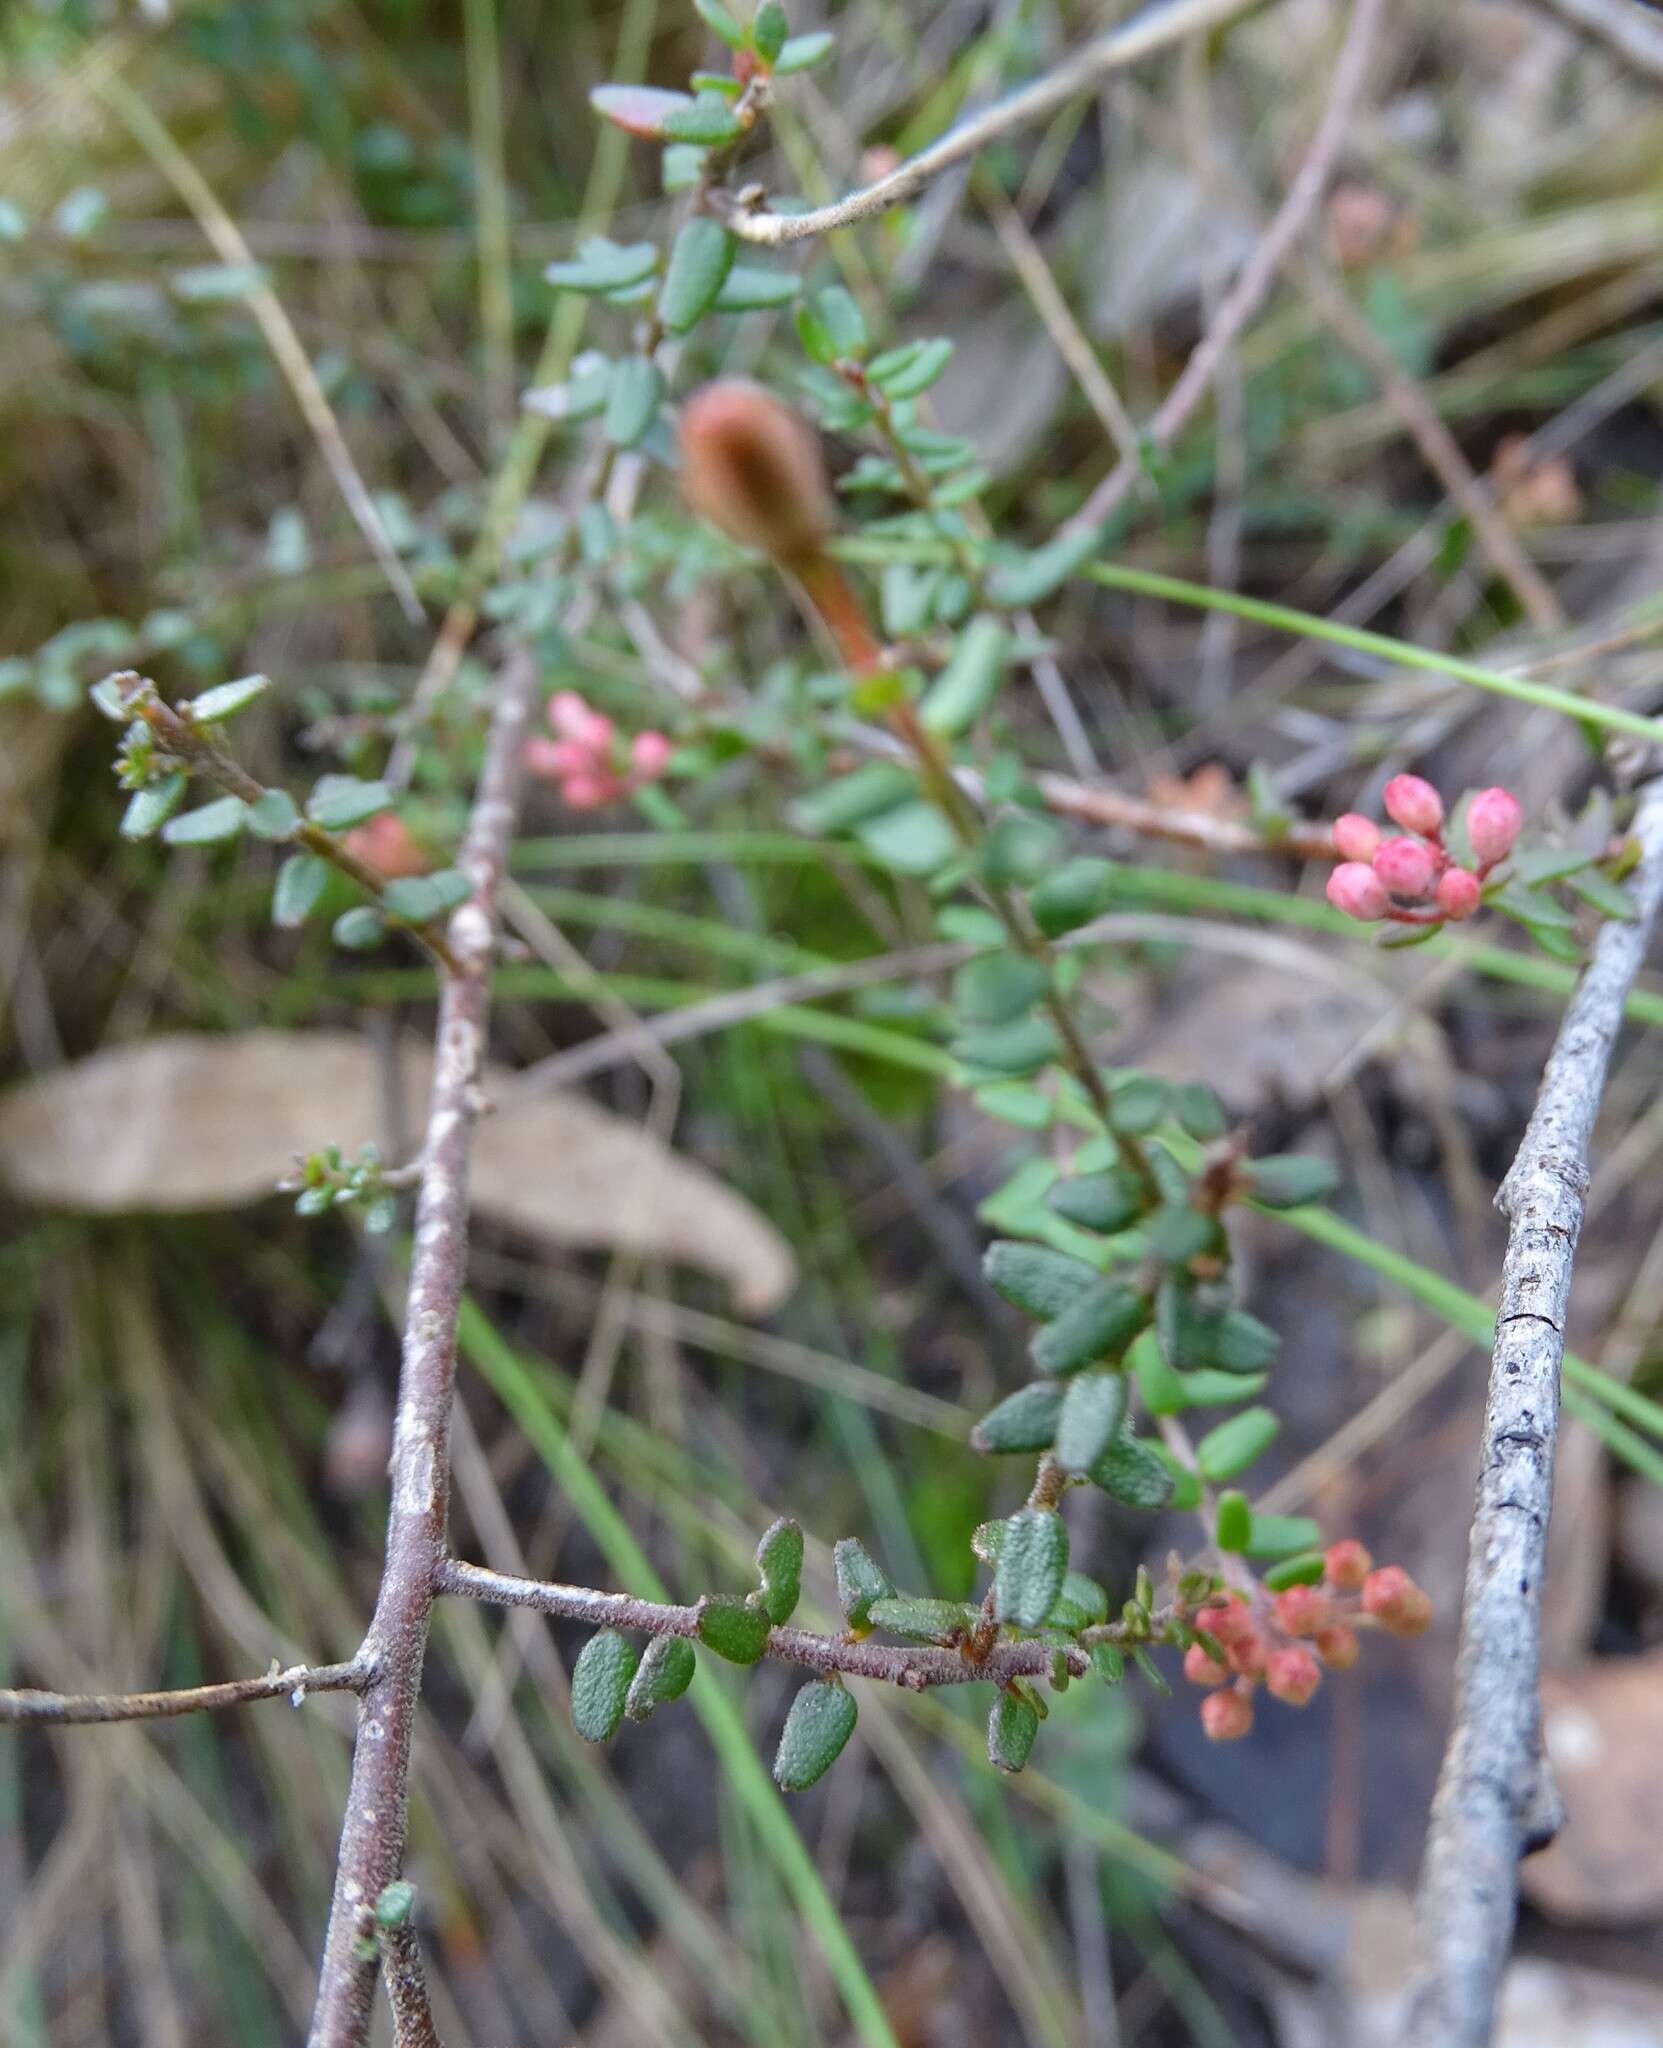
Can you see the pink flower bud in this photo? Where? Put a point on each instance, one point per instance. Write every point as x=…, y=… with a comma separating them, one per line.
x=1396, y=1602
x=598, y=735
x=1292, y=1675
x=1405, y=866
x=753, y=467
x=568, y=714
x=649, y=755
x=1346, y=1564
x=1304, y=1610
x=1414, y=804
x=1459, y=894
x=588, y=792
x=1200, y=1669
x=1356, y=836
x=1226, y=1620
x=1493, y=821
x=1226, y=1716
x=1358, y=891
x=387, y=844
x=1338, y=1647
x=1247, y=1653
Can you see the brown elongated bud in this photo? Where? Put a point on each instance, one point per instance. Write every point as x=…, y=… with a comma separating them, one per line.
x=753, y=467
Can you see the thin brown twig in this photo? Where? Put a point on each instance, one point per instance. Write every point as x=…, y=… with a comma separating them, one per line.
x=372, y=1832
x=70, y=1709
x=1256, y=275
x=913, y=1667
x=406, y=1981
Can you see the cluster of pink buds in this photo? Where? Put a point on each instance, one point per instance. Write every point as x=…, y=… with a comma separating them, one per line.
x=588, y=759
x=1284, y=1640
x=1413, y=878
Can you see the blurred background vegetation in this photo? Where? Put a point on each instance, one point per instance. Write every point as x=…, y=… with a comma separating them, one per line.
x=196, y=1405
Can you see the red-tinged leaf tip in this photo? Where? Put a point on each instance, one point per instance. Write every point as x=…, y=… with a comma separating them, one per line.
x=752, y=466
x=637, y=109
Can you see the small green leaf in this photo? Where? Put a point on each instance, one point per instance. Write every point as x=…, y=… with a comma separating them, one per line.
x=418, y=899
x=1151, y=1670
x=1199, y=1110
x=148, y=809
x=1109, y=1662
x=1177, y=1233
x=301, y=880
x=1023, y=1421
x=273, y=815
x=1011, y=1727
x=700, y=258
x=1105, y=1202
x=1532, y=906
x=1082, y=1603
x=1281, y=1535
x=861, y=1580
x=603, y=266
x=339, y=802
x=632, y=400
x=1210, y=1389
x=770, y=30
x=800, y=52
x=360, y=930
x=1137, y=1103
x=1029, y=578
x=923, y=363
x=1097, y=1327
x=1306, y=1569
x=394, y=1903
x=1017, y=1049
x=779, y=1564
x=211, y=825
x=718, y=20
x=1034, y=1278
x=600, y=1684
x=1287, y=1180
x=1078, y=891
x=931, y=1621
x=1013, y=1102
x=1234, y=1529
x=821, y=1720
x=913, y=839
x=1163, y=1389
x=748, y=288
x=1093, y=1409
x=1019, y=849
x=998, y=987
x=970, y=681
x=664, y=1674
x=1134, y=1473
x=732, y=1628
x=850, y=800
x=225, y=700
x=843, y=321
x=1609, y=898
x=1232, y=1447
x=1032, y=1561
x=708, y=120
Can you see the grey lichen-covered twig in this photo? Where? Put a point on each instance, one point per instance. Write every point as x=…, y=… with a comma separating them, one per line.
x=60, y=1709
x=372, y=1832
x=1495, y=1797
x=1153, y=27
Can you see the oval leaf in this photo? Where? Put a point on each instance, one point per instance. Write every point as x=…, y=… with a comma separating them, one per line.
x=821, y=1720
x=1032, y=1561
x=664, y=1673
x=600, y=1685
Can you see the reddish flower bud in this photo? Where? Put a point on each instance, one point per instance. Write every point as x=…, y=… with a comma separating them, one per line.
x=1346, y=1564
x=1247, y=1653
x=387, y=844
x=649, y=755
x=1459, y=894
x=1414, y=804
x=589, y=792
x=1338, y=1646
x=1226, y=1716
x=1304, y=1610
x=1200, y=1669
x=1405, y=866
x=752, y=466
x=1226, y=1620
x=1358, y=891
x=569, y=714
x=1493, y=821
x=1396, y=1602
x=1356, y=836
x=1292, y=1675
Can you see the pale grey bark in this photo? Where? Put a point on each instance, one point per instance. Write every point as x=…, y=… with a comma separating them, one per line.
x=1495, y=1798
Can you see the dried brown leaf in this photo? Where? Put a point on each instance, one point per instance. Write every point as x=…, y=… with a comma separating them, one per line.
x=195, y=1122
